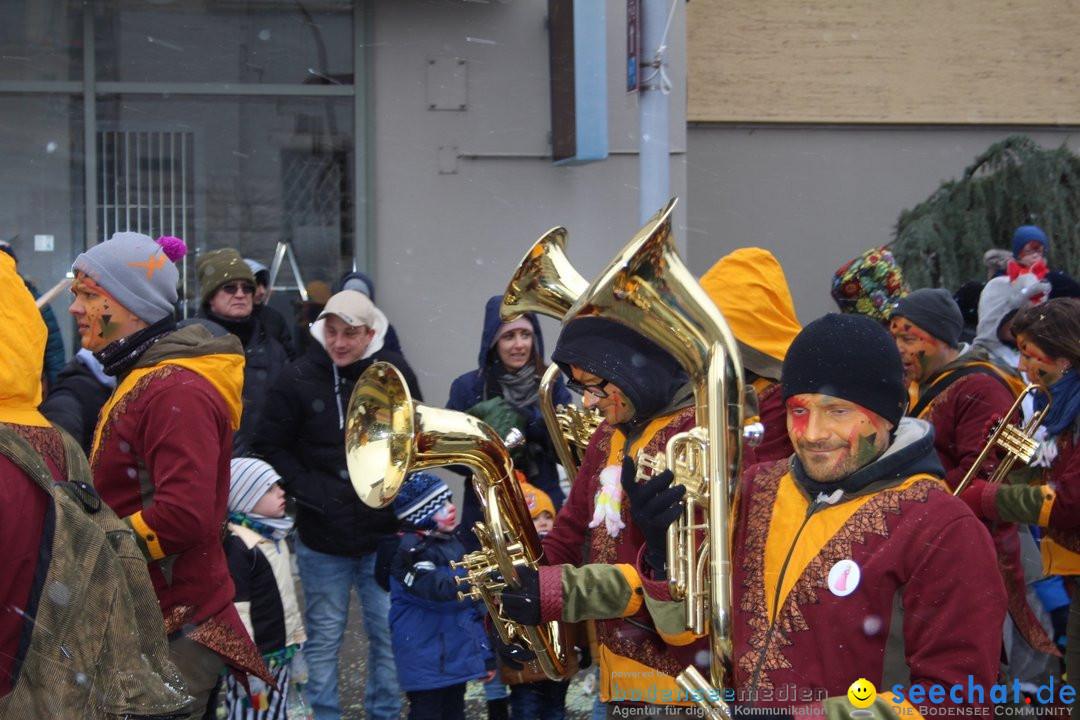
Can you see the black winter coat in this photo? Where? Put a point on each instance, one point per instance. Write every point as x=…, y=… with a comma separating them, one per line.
x=302, y=434
x=75, y=400
x=265, y=355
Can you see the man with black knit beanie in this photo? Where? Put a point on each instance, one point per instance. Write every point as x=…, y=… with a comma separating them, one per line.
x=620, y=513
x=161, y=451
x=961, y=391
x=856, y=523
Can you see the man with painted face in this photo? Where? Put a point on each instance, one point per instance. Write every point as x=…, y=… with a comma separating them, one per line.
x=302, y=434
x=961, y=392
x=645, y=398
x=161, y=451
x=828, y=542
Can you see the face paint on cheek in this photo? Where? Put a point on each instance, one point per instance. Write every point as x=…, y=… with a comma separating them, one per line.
x=866, y=449
x=108, y=327
x=797, y=422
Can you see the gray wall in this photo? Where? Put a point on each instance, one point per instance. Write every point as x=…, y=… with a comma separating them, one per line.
x=818, y=197
x=444, y=243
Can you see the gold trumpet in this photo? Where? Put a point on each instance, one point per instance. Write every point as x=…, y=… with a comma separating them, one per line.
x=1014, y=437
x=546, y=283
x=388, y=435
x=648, y=289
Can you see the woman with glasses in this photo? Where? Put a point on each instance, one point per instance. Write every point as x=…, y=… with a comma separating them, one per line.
x=620, y=519
x=227, y=298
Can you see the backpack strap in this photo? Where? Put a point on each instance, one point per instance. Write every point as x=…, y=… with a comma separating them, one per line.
x=15, y=448
x=943, y=382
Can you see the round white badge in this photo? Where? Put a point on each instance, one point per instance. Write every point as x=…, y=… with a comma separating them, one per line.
x=844, y=578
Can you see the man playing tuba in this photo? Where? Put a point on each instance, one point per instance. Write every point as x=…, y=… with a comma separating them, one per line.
x=645, y=398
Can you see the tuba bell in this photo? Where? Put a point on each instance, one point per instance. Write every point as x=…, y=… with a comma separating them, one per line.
x=647, y=288
x=546, y=283
x=388, y=436
x=1013, y=436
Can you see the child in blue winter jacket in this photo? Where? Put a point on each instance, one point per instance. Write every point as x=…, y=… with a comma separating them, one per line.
x=439, y=642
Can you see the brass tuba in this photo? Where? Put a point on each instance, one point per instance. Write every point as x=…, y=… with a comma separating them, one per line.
x=1016, y=438
x=546, y=283
x=388, y=436
x=648, y=289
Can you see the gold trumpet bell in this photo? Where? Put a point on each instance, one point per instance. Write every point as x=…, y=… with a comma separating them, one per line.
x=379, y=435
x=389, y=436
x=545, y=281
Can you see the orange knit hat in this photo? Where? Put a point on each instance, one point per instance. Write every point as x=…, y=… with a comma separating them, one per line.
x=537, y=500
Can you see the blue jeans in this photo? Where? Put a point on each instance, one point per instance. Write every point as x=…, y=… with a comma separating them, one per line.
x=327, y=581
x=540, y=700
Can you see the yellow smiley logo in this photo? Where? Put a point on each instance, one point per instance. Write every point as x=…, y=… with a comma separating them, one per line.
x=862, y=693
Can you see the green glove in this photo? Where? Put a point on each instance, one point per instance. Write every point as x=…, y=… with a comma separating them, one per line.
x=497, y=413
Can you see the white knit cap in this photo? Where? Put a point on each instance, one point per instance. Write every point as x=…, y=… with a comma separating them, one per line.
x=251, y=478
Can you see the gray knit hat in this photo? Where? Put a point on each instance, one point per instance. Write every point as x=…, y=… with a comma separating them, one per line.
x=935, y=311
x=136, y=270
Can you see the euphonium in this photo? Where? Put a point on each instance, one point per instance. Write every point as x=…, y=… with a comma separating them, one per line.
x=1014, y=437
x=388, y=436
x=546, y=283
x=648, y=289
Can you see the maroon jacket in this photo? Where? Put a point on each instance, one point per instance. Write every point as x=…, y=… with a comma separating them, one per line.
x=571, y=541
x=962, y=415
x=22, y=522
x=902, y=538
x=161, y=462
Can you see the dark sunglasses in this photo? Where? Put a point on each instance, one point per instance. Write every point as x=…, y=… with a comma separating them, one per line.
x=231, y=288
x=581, y=388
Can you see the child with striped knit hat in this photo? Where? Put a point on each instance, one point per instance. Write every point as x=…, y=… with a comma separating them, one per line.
x=261, y=568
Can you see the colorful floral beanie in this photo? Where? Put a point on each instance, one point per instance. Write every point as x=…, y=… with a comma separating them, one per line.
x=869, y=284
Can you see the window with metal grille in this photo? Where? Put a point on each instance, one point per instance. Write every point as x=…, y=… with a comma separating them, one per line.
x=146, y=183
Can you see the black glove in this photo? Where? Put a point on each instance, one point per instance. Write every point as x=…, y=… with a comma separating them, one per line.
x=523, y=606
x=654, y=505
x=584, y=655
x=512, y=656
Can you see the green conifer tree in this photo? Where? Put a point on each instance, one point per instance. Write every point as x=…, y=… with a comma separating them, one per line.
x=940, y=242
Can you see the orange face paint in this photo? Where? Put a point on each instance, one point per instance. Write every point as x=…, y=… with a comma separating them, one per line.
x=922, y=353
x=97, y=313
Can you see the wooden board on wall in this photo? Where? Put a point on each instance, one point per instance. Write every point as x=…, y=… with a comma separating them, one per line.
x=867, y=61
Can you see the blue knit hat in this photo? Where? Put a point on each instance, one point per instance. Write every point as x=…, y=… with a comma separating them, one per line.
x=420, y=497
x=1026, y=234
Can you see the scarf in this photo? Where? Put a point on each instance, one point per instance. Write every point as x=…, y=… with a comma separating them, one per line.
x=519, y=388
x=1065, y=394
x=270, y=528
x=120, y=356
x=240, y=327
